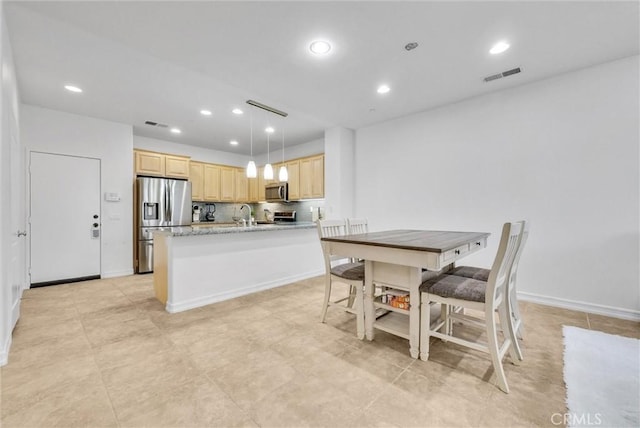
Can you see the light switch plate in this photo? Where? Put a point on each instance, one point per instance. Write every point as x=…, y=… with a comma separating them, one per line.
x=112, y=197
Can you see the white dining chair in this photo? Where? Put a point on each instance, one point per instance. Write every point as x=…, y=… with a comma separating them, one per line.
x=339, y=269
x=482, y=274
x=453, y=291
x=357, y=225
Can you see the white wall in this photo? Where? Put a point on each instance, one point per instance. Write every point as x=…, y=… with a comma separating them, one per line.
x=339, y=172
x=562, y=153
x=9, y=114
x=62, y=133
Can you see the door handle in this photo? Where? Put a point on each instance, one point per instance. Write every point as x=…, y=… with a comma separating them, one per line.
x=20, y=233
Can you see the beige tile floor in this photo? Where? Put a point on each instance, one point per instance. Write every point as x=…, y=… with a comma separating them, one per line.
x=105, y=353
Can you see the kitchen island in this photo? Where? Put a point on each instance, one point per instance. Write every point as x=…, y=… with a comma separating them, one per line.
x=197, y=266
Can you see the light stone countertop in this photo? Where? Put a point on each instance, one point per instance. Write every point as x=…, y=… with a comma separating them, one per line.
x=217, y=229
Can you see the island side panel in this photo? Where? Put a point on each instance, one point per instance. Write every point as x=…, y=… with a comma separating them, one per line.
x=160, y=266
x=205, y=269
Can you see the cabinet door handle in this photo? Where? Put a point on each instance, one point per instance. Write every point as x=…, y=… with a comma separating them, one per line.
x=478, y=243
x=457, y=251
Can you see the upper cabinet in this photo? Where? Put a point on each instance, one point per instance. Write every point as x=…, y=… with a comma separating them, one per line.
x=223, y=183
x=196, y=177
x=293, y=170
x=312, y=177
x=241, y=185
x=227, y=184
x=211, y=183
x=176, y=166
x=161, y=165
x=149, y=163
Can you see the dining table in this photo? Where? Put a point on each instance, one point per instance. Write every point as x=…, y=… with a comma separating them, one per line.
x=401, y=260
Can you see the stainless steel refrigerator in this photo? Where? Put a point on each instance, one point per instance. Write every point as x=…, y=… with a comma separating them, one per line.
x=162, y=204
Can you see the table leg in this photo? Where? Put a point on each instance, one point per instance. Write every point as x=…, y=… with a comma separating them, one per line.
x=359, y=303
x=414, y=312
x=369, y=310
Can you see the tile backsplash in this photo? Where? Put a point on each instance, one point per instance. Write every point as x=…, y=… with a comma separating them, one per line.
x=225, y=211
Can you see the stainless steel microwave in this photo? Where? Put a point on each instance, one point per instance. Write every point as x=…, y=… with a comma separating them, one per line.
x=277, y=192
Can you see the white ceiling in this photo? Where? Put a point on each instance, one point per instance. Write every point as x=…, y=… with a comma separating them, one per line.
x=164, y=61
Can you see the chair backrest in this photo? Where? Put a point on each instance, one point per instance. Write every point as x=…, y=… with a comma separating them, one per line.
x=357, y=225
x=498, y=281
x=330, y=229
x=514, y=265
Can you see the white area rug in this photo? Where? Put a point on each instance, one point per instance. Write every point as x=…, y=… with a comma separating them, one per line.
x=602, y=374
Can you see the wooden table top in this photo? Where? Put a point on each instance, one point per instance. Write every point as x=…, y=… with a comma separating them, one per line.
x=432, y=241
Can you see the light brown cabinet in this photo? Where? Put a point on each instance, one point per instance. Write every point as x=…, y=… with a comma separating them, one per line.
x=223, y=183
x=293, y=170
x=196, y=177
x=149, y=163
x=312, y=177
x=176, y=166
x=211, y=182
x=241, y=185
x=161, y=165
x=227, y=183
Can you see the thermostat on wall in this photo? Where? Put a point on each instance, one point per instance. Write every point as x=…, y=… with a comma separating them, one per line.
x=112, y=197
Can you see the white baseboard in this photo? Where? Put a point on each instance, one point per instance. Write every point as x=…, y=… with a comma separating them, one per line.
x=116, y=273
x=219, y=297
x=592, y=308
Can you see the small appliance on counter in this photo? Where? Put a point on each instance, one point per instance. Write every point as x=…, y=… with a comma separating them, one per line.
x=196, y=214
x=209, y=214
x=284, y=217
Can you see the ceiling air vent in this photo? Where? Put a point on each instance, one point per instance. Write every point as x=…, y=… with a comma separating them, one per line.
x=503, y=74
x=152, y=123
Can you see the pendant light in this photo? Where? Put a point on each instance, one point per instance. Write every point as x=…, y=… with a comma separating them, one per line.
x=268, y=169
x=283, y=174
x=252, y=171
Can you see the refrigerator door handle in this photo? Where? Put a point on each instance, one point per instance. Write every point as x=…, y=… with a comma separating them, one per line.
x=170, y=205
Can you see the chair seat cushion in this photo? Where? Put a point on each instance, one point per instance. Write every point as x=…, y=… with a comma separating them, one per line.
x=352, y=271
x=456, y=287
x=480, y=274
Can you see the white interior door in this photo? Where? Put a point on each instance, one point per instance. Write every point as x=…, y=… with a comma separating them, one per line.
x=18, y=254
x=64, y=218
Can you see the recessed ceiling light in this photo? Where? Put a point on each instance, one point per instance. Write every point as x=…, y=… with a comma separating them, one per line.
x=499, y=48
x=176, y=130
x=236, y=111
x=206, y=112
x=233, y=142
x=320, y=47
x=72, y=88
x=383, y=89
x=269, y=129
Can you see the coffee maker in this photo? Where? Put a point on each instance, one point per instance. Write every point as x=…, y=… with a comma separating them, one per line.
x=196, y=214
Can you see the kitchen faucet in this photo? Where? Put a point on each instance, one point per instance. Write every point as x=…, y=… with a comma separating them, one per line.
x=249, y=209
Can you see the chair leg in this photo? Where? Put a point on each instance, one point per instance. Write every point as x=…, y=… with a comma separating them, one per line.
x=494, y=350
x=425, y=328
x=509, y=332
x=327, y=296
x=352, y=296
x=515, y=315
